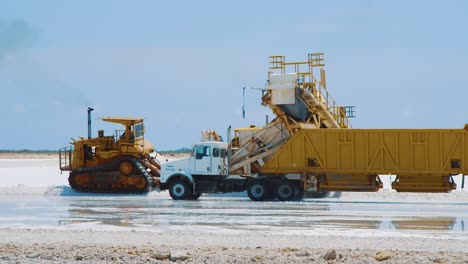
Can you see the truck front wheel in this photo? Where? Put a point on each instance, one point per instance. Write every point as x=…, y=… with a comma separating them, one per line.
x=258, y=190
x=180, y=190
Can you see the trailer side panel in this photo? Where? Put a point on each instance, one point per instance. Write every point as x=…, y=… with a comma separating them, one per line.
x=417, y=156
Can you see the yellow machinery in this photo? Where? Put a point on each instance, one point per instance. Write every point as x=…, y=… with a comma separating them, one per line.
x=423, y=160
x=298, y=96
x=120, y=163
x=311, y=146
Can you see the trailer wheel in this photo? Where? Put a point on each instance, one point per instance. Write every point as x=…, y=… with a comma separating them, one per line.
x=258, y=190
x=180, y=189
x=286, y=191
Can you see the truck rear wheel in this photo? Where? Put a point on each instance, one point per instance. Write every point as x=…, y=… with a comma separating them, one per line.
x=319, y=194
x=286, y=191
x=298, y=192
x=258, y=190
x=194, y=196
x=180, y=190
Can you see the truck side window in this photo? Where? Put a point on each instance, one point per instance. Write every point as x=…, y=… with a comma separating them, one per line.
x=202, y=151
x=207, y=151
x=216, y=152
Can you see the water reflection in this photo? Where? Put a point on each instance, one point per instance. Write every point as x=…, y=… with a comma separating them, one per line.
x=230, y=214
x=426, y=224
x=205, y=214
x=240, y=214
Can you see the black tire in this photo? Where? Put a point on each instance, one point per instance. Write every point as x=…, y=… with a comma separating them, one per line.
x=320, y=194
x=194, y=196
x=180, y=189
x=258, y=190
x=285, y=191
x=299, y=192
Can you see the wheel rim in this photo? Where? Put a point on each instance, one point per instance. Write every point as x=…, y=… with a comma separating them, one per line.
x=257, y=190
x=141, y=183
x=178, y=189
x=126, y=167
x=285, y=191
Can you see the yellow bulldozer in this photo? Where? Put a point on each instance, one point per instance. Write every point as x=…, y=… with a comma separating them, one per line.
x=123, y=162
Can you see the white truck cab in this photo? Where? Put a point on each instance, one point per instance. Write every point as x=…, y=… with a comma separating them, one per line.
x=208, y=163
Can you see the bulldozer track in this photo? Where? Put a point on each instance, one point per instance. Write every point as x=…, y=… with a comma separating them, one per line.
x=108, y=187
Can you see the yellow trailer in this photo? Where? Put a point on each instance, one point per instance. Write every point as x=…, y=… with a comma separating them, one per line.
x=423, y=160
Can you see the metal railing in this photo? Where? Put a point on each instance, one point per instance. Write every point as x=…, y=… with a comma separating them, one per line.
x=337, y=111
x=120, y=135
x=350, y=111
x=65, y=158
x=316, y=87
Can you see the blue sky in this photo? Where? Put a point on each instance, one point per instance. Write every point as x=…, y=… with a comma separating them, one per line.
x=182, y=65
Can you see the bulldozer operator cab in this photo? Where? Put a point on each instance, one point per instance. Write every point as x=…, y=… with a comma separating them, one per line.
x=132, y=130
x=130, y=133
x=132, y=138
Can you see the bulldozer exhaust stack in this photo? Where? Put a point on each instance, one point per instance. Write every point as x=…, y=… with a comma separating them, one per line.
x=89, y=121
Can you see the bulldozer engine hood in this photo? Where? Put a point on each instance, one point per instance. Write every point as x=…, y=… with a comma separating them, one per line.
x=144, y=146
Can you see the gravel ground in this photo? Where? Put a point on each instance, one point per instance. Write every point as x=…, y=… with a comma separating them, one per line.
x=65, y=246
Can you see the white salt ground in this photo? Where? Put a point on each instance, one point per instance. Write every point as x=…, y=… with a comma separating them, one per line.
x=36, y=177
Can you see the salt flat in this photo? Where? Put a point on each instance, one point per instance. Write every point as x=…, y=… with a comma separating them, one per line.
x=38, y=210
